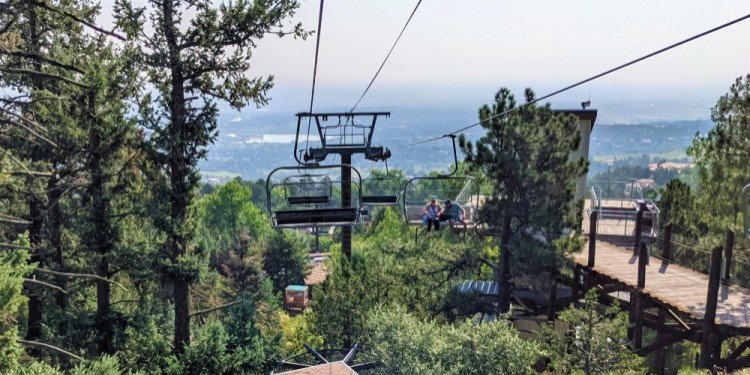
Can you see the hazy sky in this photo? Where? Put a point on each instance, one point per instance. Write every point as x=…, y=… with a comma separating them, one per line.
x=456, y=50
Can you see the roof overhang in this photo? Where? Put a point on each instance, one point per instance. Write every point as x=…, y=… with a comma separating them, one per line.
x=582, y=114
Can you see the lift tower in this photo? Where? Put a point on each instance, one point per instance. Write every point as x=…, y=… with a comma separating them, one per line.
x=343, y=134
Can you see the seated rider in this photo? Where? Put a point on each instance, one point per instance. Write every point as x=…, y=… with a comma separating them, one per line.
x=452, y=212
x=431, y=213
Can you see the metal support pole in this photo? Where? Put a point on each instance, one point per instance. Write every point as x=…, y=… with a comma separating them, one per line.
x=592, y=239
x=709, y=317
x=346, y=201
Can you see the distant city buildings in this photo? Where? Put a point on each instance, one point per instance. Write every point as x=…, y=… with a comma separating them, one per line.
x=669, y=165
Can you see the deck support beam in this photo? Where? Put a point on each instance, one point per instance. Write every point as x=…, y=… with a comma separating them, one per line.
x=638, y=227
x=592, y=238
x=709, y=338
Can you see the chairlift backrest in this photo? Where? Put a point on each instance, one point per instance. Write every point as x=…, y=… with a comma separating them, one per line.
x=303, y=207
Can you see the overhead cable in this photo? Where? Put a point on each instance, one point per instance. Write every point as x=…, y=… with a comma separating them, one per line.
x=315, y=70
x=579, y=83
x=387, y=56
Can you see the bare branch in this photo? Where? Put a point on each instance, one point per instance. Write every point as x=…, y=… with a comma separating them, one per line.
x=48, y=346
x=36, y=134
x=80, y=275
x=13, y=220
x=9, y=246
x=72, y=16
x=206, y=311
x=48, y=285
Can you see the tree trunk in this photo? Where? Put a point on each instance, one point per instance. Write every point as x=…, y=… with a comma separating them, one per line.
x=102, y=238
x=504, y=276
x=179, y=195
x=36, y=310
x=55, y=223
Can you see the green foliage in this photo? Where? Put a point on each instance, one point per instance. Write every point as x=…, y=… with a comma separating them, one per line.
x=676, y=205
x=285, y=259
x=406, y=345
x=721, y=159
x=299, y=330
x=238, y=348
x=227, y=211
x=13, y=268
x=595, y=341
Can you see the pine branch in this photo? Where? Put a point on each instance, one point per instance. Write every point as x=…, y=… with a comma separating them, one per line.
x=44, y=5
x=206, y=311
x=22, y=126
x=48, y=346
x=48, y=285
x=80, y=275
x=33, y=56
x=43, y=75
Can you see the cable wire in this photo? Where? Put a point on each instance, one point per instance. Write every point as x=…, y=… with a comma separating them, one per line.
x=579, y=83
x=387, y=56
x=315, y=71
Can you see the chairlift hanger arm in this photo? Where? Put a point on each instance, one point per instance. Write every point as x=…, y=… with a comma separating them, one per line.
x=344, y=114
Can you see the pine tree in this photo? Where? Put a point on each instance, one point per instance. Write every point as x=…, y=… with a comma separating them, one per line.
x=197, y=53
x=526, y=156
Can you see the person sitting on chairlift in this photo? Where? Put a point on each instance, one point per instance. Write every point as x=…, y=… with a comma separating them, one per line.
x=431, y=212
x=452, y=212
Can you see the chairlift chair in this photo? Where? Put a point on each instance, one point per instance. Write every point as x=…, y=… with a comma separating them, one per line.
x=306, y=189
x=378, y=198
x=306, y=208
x=418, y=191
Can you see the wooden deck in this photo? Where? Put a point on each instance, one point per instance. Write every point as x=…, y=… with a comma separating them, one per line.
x=679, y=287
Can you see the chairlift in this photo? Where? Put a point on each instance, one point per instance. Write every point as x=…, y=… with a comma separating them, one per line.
x=377, y=197
x=309, y=203
x=460, y=189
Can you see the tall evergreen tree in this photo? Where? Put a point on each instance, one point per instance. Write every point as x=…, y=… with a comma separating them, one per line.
x=721, y=160
x=194, y=52
x=526, y=156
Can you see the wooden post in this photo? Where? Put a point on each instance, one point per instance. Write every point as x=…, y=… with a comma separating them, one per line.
x=638, y=228
x=712, y=295
x=552, y=296
x=660, y=359
x=728, y=249
x=637, y=310
x=592, y=238
x=638, y=324
x=666, y=246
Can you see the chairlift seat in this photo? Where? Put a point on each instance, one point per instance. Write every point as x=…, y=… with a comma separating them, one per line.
x=385, y=200
x=320, y=216
x=322, y=199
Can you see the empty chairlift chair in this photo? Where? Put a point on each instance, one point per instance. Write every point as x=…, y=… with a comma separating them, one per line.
x=381, y=190
x=310, y=203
